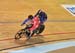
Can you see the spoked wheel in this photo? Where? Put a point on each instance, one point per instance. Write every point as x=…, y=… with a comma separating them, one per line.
x=20, y=33
x=17, y=36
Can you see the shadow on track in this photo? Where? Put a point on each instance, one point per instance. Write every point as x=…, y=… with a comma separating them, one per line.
x=32, y=40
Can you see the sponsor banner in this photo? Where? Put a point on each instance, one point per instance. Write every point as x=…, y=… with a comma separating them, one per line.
x=70, y=9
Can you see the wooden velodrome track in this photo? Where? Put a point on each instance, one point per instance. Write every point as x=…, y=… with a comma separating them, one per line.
x=13, y=13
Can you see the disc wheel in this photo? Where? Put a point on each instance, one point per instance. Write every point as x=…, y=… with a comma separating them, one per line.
x=40, y=29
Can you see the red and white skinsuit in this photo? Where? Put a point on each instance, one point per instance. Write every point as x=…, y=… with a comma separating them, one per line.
x=36, y=22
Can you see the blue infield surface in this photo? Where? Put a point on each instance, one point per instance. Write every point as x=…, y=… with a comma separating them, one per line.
x=46, y=48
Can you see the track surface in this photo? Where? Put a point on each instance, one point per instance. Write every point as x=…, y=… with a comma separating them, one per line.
x=13, y=13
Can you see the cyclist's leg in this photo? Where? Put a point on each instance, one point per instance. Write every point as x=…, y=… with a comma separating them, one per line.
x=27, y=31
x=32, y=33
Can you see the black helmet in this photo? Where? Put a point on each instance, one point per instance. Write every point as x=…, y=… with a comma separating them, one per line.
x=30, y=17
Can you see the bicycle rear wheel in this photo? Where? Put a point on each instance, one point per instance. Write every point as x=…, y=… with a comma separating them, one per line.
x=40, y=29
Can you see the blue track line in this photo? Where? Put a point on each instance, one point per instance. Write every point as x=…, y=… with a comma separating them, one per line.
x=46, y=48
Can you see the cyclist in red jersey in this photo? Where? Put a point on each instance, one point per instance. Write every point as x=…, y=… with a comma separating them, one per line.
x=35, y=21
x=35, y=24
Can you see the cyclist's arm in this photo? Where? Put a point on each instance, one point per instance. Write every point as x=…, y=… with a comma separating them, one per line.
x=24, y=22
